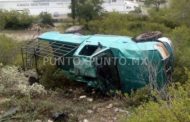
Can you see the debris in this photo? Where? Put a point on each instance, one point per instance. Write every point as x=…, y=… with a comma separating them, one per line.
x=49, y=120
x=74, y=29
x=121, y=110
x=63, y=117
x=148, y=36
x=90, y=99
x=94, y=107
x=115, y=118
x=85, y=120
x=89, y=111
x=82, y=97
x=109, y=106
x=116, y=109
x=38, y=120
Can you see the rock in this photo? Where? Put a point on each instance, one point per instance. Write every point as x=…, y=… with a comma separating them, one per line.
x=94, y=107
x=121, y=110
x=1, y=112
x=89, y=111
x=89, y=99
x=109, y=106
x=85, y=120
x=37, y=90
x=38, y=120
x=33, y=80
x=82, y=97
x=60, y=117
x=29, y=73
x=32, y=76
x=116, y=109
x=49, y=120
x=71, y=90
x=115, y=118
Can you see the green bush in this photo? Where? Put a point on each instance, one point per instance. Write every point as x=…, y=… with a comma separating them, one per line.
x=175, y=109
x=138, y=97
x=179, y=11
x=45, y=18
x=163, y=16
x=53, y=77
x=16, y=20
x=86, y=10
x=125, y=24
x=22, y=20
x=9, y=50
x=181, y=39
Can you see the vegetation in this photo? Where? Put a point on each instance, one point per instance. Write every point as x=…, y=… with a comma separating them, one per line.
x=22, y=20
x=45, y=18
x=145, y=105
x=175, y=109
x=155, y=3
x=54, y=78
x=86, y=9
x=15, y=20
x=9, y=52
x=125, y=24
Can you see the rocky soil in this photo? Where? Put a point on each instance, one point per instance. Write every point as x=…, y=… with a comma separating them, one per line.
x=22, y=101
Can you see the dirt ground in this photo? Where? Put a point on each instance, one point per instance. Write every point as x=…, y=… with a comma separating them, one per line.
x=22, y=102
x=91, y=108
x=76, y=106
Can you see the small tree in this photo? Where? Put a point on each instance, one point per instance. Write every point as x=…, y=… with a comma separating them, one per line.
x=86, y=9
x=155, y=3
x=73, y=10
x=46, y=18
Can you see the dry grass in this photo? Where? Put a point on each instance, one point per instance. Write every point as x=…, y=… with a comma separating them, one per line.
x=26, y=35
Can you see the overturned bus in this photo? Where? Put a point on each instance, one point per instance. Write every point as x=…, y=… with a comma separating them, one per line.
x=108, y=61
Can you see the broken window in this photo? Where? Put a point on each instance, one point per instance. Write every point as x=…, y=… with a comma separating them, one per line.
x=89, y=50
